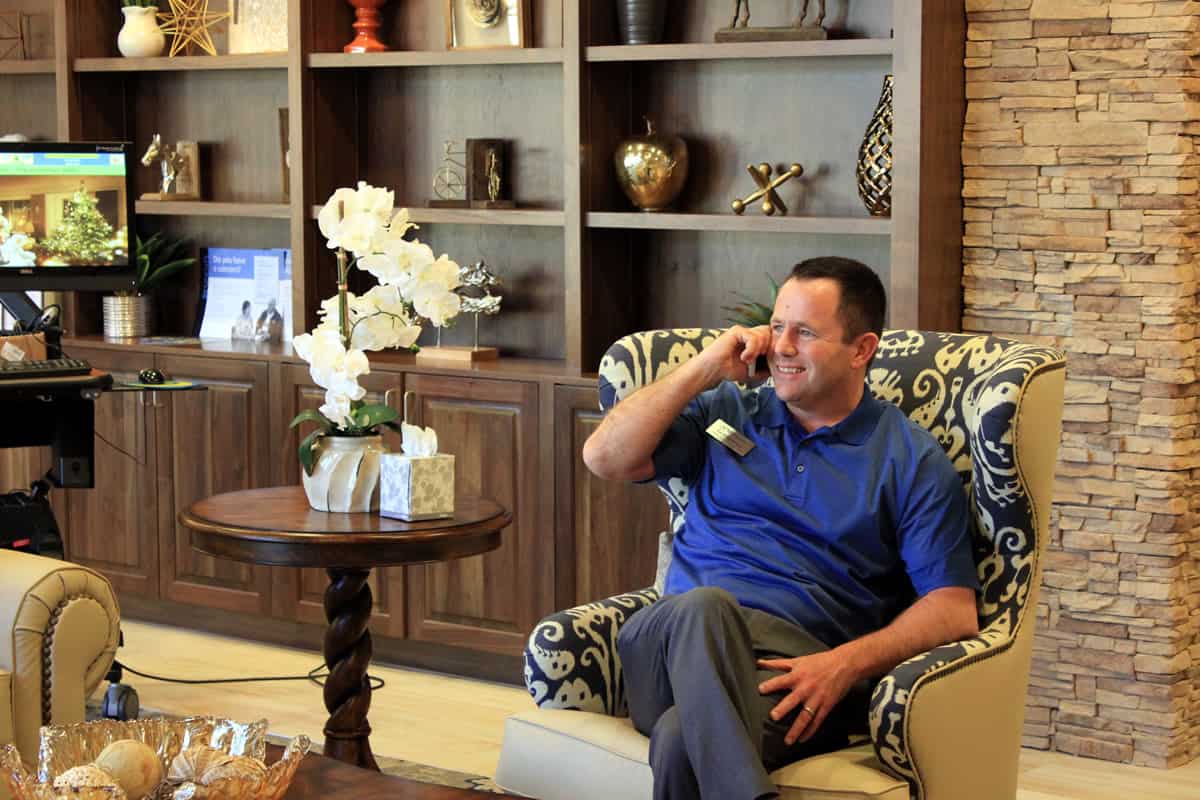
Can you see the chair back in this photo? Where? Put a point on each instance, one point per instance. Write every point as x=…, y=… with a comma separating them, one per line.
x=965, y=389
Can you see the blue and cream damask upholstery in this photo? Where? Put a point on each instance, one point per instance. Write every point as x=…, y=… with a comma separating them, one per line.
x=943, y=725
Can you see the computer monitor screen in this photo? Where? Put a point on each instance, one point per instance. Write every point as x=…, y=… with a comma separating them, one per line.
x=66, y=216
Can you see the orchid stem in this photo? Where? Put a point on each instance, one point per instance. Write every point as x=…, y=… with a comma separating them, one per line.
x=343, y=305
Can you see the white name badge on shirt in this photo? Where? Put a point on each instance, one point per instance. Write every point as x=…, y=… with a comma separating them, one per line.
x=724, y=433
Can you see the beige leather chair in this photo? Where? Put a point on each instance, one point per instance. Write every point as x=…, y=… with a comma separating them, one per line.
x=60, y=624
x=945, y=725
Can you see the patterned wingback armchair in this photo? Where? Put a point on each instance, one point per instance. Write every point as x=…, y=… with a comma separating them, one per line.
x=943, y=725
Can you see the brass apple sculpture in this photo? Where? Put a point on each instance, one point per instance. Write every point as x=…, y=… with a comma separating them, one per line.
x=651, y=168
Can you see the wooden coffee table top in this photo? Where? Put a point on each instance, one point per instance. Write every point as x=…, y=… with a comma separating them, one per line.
x=277, y=526
x=325, y=778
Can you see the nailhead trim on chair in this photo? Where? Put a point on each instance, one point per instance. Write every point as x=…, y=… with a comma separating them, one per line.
x=47, y=649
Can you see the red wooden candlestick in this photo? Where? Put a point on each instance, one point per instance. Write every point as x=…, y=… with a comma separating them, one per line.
x=366, y=22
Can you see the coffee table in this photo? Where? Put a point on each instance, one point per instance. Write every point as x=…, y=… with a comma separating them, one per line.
x=276, y=526
x=329, y=779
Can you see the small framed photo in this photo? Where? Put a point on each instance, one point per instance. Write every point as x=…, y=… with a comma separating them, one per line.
x=486, y=24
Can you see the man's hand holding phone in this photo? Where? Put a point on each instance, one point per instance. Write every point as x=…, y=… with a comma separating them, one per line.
x=739, y=354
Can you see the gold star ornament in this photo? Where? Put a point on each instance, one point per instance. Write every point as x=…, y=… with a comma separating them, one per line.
x=189, y=22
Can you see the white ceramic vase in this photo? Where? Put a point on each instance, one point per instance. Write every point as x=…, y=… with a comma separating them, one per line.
x=345, y=474
x=140, y=36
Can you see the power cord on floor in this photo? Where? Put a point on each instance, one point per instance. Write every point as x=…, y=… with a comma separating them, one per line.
x=315, y=675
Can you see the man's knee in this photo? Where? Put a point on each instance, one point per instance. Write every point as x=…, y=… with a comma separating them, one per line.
x=705, y=601
x=667, y=750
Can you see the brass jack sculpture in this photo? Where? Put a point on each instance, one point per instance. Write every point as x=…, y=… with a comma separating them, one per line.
x=767, y=187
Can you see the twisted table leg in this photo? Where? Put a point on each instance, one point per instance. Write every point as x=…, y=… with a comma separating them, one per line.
x=347, y=655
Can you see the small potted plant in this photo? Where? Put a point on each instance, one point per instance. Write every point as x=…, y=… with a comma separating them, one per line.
x=127, y=313
x=140, y=36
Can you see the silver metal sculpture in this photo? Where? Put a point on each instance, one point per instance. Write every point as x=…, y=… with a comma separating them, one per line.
x=477, y=298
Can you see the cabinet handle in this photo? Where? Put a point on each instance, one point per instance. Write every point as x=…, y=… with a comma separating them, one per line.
x=387, y=396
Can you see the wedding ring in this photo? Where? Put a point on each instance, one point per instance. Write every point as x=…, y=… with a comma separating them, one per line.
x=809, y=710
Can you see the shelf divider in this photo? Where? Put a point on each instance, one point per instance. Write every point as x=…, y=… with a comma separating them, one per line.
x=436, y=58
x=854, y=226
x=830, y=48
x=207, y=208
x=183, y=63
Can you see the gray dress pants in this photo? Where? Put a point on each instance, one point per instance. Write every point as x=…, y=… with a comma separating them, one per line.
x=691, y=678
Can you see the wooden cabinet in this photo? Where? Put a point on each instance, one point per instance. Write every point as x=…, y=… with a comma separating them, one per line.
x=606, y=531
x=211, y=441
x=299, y=593
x=488, y=602
x=114, y=527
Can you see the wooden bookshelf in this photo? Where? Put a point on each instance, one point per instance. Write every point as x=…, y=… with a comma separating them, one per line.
x=565, y=102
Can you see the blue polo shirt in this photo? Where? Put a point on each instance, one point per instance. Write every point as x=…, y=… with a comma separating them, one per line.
x=838, y=530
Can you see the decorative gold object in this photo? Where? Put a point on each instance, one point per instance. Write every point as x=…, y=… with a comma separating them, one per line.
x=766, y=188
x=875, y=157
x=180, y=166
x=450, y=181
x=797, y=31
x=66, y=746
x=190, y=22
x=651, y=168
x=488, y=180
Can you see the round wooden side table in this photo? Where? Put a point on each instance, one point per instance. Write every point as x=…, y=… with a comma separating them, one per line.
x=277, y=527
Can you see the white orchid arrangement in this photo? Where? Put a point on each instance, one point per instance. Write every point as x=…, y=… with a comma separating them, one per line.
x=413, y=287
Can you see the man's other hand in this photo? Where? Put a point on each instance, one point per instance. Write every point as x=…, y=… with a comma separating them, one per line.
x=814, y=684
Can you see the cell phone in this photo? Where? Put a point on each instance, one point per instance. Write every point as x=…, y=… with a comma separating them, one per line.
x=760, y=366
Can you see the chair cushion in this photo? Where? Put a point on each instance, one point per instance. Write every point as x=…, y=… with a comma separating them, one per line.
x=598, y=757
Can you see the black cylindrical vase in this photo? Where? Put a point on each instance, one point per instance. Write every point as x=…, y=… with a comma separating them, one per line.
x=641, y=21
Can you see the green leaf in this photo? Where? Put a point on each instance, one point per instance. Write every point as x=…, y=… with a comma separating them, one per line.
x=312, y=415
x=307, y=456
x=368, y=417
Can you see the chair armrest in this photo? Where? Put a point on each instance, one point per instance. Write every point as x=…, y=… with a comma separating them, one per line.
x=571, y=659
x=59, y=624
x=949, y=720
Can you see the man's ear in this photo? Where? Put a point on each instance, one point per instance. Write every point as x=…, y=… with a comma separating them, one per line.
x=864, y=349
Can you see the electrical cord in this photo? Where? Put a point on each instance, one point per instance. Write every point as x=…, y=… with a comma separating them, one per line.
x=315, y=675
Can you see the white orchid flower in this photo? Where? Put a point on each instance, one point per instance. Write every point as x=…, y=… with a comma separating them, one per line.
x=376, y=202
x=329, y=220
x=336, y=408
x=436, y=304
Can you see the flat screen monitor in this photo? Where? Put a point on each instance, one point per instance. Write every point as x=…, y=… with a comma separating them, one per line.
x=66, y=216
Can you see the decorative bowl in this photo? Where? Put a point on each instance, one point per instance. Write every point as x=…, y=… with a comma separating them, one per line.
x=66, y=746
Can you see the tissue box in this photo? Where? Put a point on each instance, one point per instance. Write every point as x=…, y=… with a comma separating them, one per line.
x=416, y=487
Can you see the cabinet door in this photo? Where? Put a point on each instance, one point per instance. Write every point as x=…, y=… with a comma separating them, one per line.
x=113, y=527
x=491, y=601
x=299, y=593
x=211, y=442
x=607, y=530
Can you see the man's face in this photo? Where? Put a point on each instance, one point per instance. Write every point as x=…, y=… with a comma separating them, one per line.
x=809, y=357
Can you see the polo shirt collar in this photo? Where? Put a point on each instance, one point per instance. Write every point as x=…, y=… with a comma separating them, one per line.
x=854, y=429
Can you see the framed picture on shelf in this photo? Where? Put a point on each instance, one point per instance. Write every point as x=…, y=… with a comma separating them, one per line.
x=486, y=24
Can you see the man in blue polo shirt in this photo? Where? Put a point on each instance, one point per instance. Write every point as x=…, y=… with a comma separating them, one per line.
x=826, y=540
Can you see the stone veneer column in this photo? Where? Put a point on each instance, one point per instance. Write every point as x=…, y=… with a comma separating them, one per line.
x=1081, y=216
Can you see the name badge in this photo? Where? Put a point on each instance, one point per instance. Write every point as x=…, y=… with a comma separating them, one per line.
x=724, y=433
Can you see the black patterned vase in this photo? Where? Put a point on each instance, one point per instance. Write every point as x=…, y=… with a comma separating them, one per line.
x=875, y=157
x=641, y=21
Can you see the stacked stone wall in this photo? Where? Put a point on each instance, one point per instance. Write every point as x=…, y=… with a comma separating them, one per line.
x=1081, y=216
